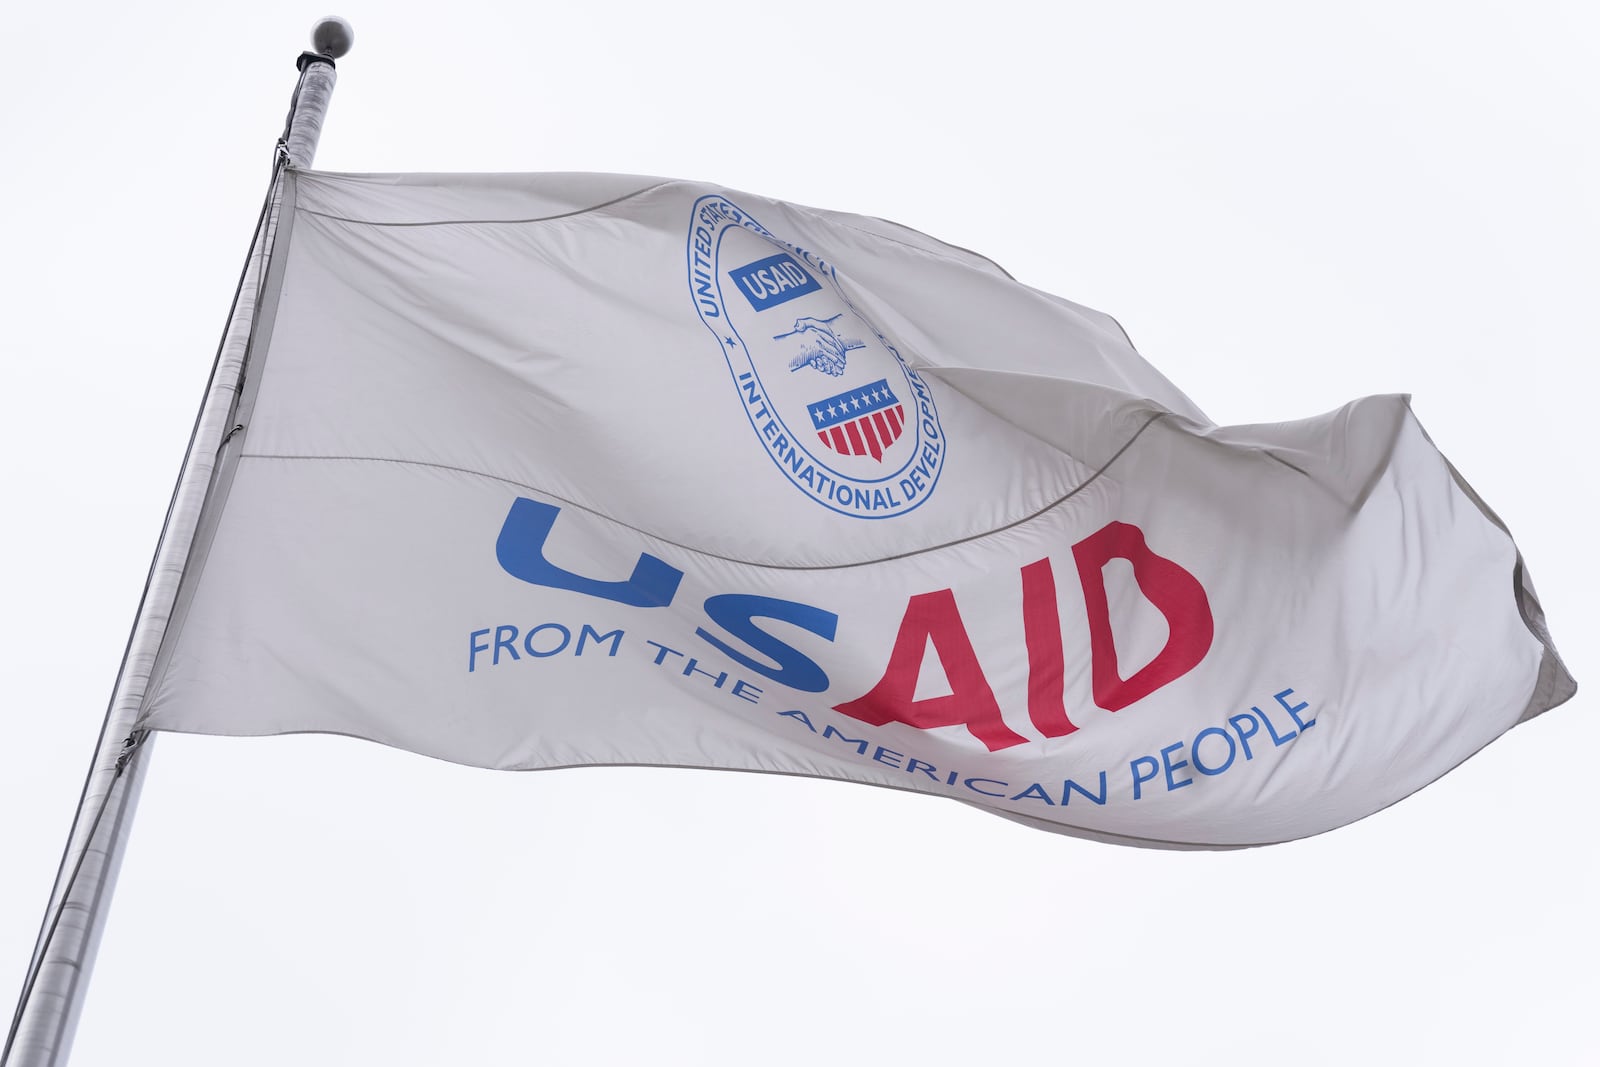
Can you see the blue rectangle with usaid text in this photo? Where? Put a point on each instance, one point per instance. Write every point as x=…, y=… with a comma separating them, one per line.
x=769, y=282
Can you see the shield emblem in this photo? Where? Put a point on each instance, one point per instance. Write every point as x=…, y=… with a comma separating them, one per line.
x=861, y=422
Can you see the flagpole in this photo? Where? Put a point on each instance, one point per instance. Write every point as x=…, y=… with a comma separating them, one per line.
x=54, y=987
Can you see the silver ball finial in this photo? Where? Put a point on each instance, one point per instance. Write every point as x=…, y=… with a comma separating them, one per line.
x=332, y=37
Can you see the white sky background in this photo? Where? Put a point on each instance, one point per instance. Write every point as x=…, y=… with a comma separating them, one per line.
x=1285, y=210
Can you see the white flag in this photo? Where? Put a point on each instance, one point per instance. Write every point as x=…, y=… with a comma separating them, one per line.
x=556, y=470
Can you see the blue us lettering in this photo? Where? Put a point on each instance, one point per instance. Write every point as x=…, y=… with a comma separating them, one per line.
x=654, y=583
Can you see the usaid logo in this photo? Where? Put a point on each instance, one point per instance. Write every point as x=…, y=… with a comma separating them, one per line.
x=766, y=283
x=830, y=400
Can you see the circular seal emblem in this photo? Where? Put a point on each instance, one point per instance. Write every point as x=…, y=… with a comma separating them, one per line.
x=832, y=403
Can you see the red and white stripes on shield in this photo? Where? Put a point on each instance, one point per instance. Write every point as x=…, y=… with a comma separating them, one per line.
x=869, y=435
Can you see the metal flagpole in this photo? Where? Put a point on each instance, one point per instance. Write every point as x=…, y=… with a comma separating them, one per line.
x=58, y=973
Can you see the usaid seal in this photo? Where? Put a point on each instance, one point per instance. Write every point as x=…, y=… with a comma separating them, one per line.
x=830, y=400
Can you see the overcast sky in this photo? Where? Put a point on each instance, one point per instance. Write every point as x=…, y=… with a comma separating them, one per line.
x=1286, y=211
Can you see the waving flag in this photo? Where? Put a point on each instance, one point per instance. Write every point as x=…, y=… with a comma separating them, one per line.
x=544, y=471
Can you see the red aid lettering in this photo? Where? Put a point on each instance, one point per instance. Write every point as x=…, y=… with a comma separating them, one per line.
x=971, y=703
x=1174, y=591
x=1041, y=628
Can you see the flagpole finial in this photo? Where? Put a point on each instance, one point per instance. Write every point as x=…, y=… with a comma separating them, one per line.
x=332, y=37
